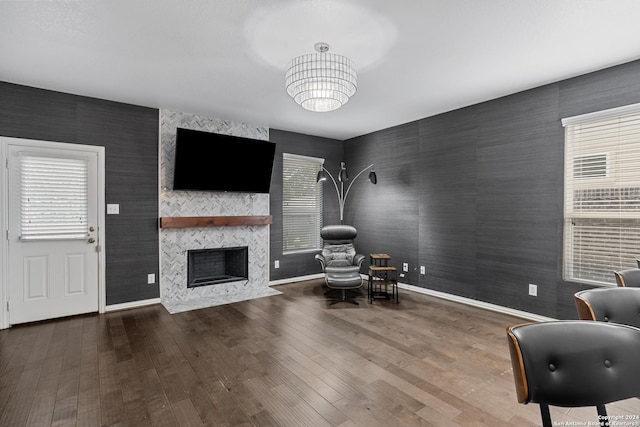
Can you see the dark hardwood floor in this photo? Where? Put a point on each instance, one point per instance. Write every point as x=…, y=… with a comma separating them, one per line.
x=286, y=360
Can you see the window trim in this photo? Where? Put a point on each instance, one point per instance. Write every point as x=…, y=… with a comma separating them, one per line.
x=601, y=115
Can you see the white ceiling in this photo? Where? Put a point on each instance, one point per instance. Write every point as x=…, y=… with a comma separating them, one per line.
x=227, y=58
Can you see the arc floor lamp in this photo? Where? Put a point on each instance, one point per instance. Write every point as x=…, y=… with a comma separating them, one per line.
x=343, y=177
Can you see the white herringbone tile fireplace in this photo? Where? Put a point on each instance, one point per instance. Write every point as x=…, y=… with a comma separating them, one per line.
x=176, y=242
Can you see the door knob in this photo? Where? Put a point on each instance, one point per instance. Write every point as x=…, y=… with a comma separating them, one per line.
x=91, y=240
x=92, y=228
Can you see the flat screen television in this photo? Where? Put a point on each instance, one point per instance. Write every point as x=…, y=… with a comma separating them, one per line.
x=206, y=161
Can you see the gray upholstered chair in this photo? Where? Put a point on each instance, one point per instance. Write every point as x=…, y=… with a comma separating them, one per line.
x=574, y=363
x=628, y=278
x=617, y=305
x=339, y=260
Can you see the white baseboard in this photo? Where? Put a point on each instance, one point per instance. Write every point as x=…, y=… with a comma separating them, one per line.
x=472, y=302
x=443, y=295
x=133, y=304
x=296, y=279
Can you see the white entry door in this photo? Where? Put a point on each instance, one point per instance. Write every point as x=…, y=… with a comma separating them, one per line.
x=53, y=247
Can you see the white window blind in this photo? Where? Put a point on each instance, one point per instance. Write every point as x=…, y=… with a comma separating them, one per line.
x=590, y=166
x=53, y=198
x=301, y=203
x=602, y=195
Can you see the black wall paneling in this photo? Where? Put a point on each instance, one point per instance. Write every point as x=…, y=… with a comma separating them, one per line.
x=130, y=136
x=609, y=88
x=519, y=161
x=476, y=194
x=300, y=264
x=447, y=219
x=385, y=214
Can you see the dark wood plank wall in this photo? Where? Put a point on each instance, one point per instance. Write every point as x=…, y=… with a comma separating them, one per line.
x=303, y=264
x=130, y=137
x=488, y=191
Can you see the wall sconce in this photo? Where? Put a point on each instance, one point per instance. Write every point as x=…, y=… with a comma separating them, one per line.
x=343, y=177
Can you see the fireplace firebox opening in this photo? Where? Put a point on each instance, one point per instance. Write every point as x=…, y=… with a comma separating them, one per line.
x=218, y=265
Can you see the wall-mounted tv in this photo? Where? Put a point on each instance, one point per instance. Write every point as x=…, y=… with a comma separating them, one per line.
x=206, y=161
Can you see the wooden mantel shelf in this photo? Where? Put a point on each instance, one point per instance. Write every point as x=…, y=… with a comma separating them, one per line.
x=213, y=221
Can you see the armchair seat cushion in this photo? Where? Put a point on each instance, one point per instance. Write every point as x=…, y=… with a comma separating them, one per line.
x=343, y=277
x=349, y=270
x=343, y=280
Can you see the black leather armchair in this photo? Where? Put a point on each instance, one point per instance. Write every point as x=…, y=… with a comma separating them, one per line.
x=340, y=263
x=574, y=364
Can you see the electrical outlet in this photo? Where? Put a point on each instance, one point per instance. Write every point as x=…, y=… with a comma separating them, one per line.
x=405, y=266
x=113, y=209
x=276, y=263
x=533, y=290
x=423, y=269
x=151, y=278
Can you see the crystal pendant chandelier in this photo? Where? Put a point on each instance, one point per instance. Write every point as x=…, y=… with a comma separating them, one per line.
x=321, y=81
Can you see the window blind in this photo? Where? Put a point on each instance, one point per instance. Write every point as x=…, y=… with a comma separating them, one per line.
x=53, y=198
x=602, y=195
x=301, y=203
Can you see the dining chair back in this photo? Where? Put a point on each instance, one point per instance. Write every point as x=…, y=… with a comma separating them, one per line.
x=574, y=363
x=616, y=305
